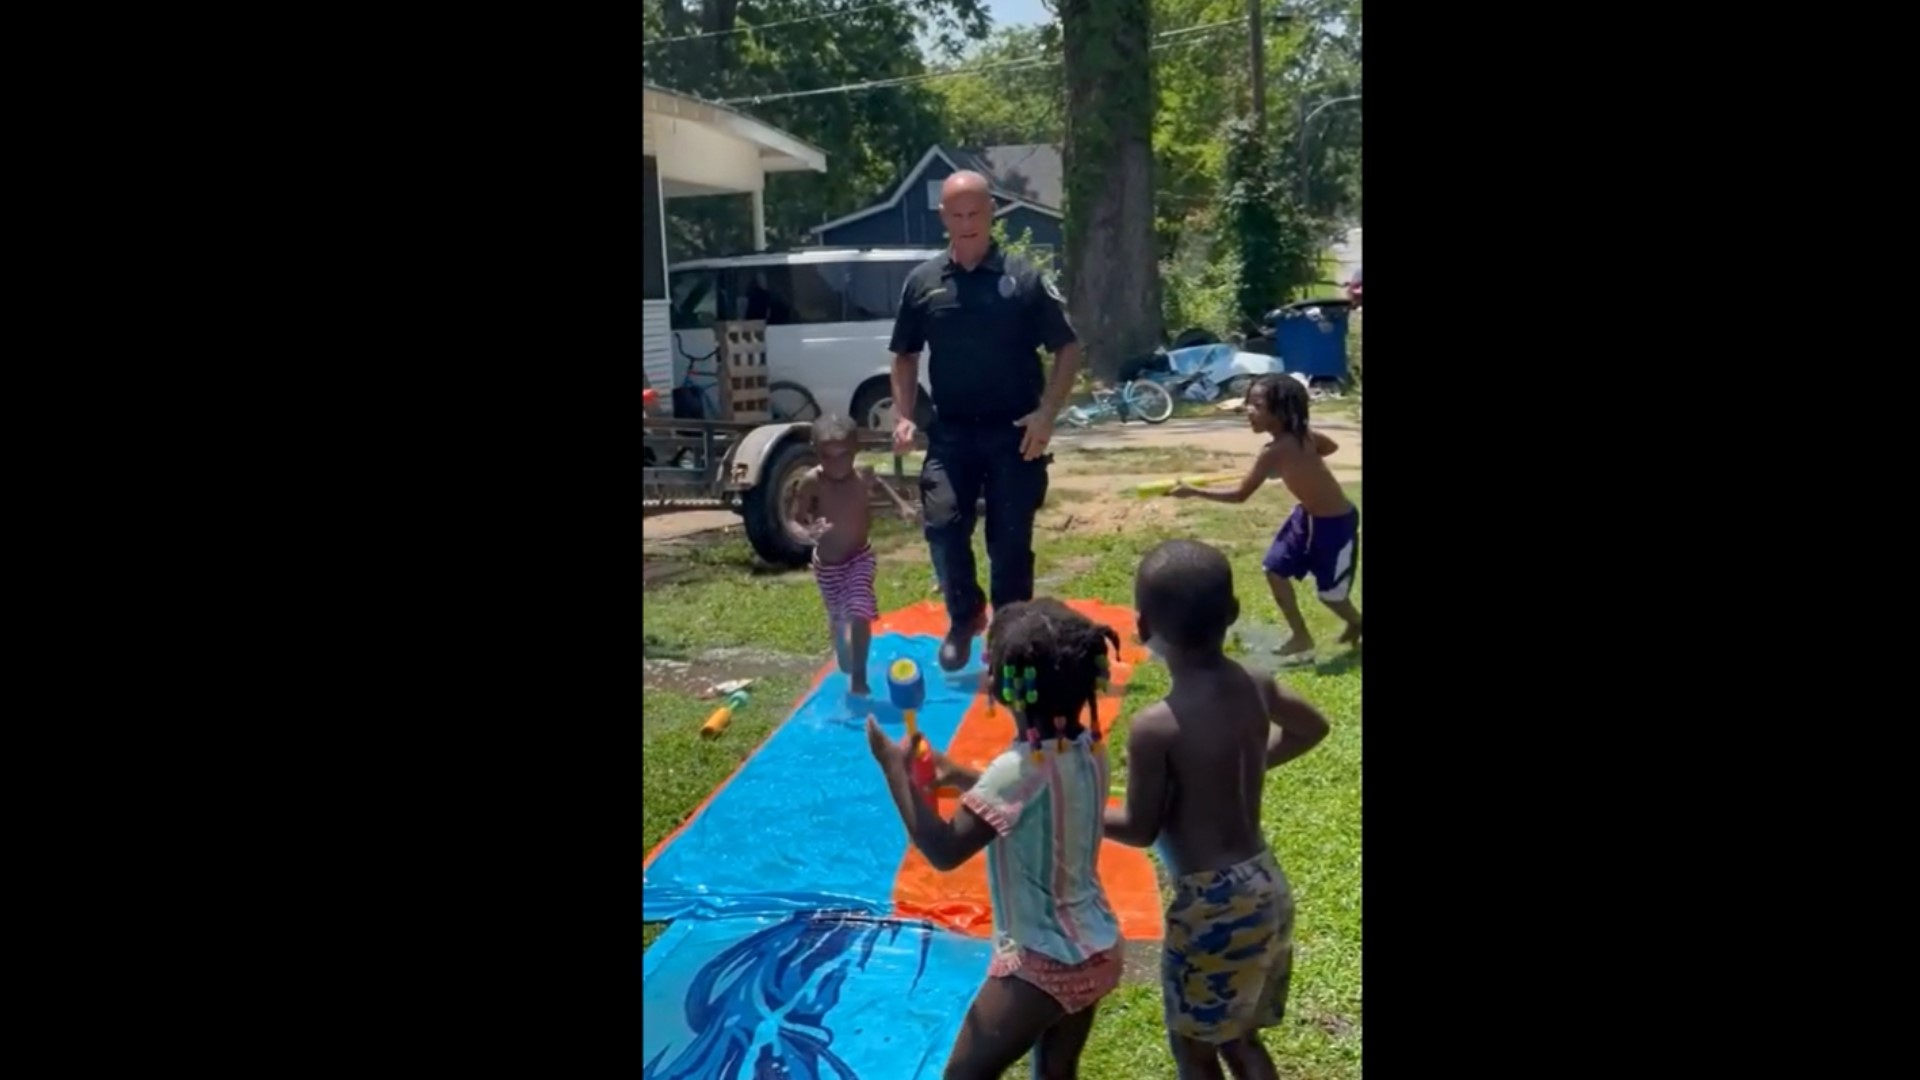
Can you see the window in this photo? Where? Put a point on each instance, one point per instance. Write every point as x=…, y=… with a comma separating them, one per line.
x=933, y=193
x=695, y=299
x=873, y=290
x=782, y=295
x=856, y=290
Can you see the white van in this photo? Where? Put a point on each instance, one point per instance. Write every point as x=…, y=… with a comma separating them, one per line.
x=829, y=315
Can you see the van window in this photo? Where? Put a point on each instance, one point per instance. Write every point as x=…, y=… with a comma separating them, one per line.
x=791, y=295
x=873, y=290
x=695, y=295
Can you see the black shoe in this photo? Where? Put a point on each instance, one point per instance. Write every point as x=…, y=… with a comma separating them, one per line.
x=957, y=647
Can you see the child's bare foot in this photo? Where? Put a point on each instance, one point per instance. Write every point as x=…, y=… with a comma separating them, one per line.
x=859, y=690
x=1352, y=636
x=1298, y=647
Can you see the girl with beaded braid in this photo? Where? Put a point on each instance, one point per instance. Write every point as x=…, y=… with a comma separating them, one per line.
x=1037, y=810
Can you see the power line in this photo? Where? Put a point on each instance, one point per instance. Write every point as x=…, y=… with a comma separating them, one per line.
x=770, y=25
x=1039, y=60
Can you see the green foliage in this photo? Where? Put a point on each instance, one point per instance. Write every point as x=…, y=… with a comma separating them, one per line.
x=1198, y=86
x=1319, y=61
x=1279, y=247
x=869, y=136
x=1007, y=105
x=1022, y=245
x=1199, y=288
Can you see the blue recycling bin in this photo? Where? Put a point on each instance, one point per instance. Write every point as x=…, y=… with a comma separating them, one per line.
x=1311, y=337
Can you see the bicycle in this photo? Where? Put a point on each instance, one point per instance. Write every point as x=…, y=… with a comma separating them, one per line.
x=786, y=401
x=1141, y=399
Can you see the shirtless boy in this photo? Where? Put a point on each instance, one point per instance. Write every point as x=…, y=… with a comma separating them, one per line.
x=1196, y=763
x=1322, y=535
x=833, y=501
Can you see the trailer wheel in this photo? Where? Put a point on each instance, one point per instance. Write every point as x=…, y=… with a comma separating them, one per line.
x=768, y=506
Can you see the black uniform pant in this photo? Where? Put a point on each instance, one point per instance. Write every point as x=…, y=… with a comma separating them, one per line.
x=964, y=462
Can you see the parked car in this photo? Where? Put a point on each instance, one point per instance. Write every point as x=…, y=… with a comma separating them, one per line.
x=829, y=315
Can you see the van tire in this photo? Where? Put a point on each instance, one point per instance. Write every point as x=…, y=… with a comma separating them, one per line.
x=765, y=510
x=879, y=389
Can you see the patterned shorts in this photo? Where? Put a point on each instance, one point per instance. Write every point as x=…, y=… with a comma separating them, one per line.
x=847, y=586
x=1228, y=955
x=1074, y=986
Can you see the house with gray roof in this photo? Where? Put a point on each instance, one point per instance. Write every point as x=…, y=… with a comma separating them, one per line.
x=1028, y=190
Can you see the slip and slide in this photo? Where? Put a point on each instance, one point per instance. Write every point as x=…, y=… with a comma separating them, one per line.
x=806, y=930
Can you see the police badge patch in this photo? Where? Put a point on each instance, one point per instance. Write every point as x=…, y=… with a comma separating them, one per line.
x=1006, y=286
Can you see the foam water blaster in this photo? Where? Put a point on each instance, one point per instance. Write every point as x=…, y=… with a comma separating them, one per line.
x=907, y=689
x=717, y=723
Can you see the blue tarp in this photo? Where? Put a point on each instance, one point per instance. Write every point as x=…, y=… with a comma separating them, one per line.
x=807, y=823
x=814, y=996
x=1220, y=362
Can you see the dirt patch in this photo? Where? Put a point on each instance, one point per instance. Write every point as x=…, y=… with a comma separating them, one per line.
x=1333, y=1024
x=655, y=571
x=1141, y=964
x=1162, y=460
x=695, y=674
x=1096, y=510
x=674, y=523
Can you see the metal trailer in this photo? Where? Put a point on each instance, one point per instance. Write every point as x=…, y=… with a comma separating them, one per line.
x=749, y=468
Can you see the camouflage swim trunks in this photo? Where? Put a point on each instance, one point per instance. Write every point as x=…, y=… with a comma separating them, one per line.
x=1228, y=955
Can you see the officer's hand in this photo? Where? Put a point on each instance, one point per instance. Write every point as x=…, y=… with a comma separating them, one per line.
x=903, y=432
x=1039, y=425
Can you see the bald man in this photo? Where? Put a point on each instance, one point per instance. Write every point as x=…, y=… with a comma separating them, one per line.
x=985, y=314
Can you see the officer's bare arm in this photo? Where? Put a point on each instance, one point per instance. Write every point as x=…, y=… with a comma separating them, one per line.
x=906, y=383
x=1066, y=365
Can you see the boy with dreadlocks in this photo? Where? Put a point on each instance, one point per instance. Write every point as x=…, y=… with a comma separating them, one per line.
x=1196, y=763
x=1322, y=535
x=1037, y=811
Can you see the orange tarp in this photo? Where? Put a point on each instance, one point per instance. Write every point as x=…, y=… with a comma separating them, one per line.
x=959, y=899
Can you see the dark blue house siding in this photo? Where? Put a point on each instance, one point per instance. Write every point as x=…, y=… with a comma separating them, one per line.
x=909, y=222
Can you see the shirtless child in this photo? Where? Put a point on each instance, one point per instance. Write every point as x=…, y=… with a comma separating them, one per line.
x=832, y=503
x=1196, y=763
x=1322, y=535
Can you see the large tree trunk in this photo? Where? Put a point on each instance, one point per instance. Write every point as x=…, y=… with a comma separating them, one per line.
x=1113, y=275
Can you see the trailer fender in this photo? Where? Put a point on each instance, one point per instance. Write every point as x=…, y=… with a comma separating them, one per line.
x=751, y=454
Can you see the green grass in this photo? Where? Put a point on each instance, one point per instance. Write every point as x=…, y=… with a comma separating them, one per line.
x=1122, y=460
x=1311, y=807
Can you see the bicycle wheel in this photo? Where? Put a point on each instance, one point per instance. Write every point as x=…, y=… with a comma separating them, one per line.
x=1149, y=401
x=791, y=401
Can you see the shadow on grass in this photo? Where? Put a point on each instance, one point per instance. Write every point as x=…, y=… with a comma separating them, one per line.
x=658, y=648
x=1339, y=665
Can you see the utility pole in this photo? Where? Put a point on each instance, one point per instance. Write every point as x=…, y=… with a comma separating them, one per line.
x=1257, y=65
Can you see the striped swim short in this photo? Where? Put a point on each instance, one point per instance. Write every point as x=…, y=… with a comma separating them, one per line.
x=847, y=586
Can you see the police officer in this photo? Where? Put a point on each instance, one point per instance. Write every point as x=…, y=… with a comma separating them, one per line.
x=985, y=313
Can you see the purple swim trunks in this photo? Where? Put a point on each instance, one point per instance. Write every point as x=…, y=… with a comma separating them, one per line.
x=1328, y=547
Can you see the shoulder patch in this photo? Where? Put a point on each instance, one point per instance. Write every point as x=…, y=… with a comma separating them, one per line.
x=1053, y=288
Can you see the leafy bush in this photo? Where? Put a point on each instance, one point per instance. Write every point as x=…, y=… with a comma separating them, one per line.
x=1197, y=288
x=1023, y=245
